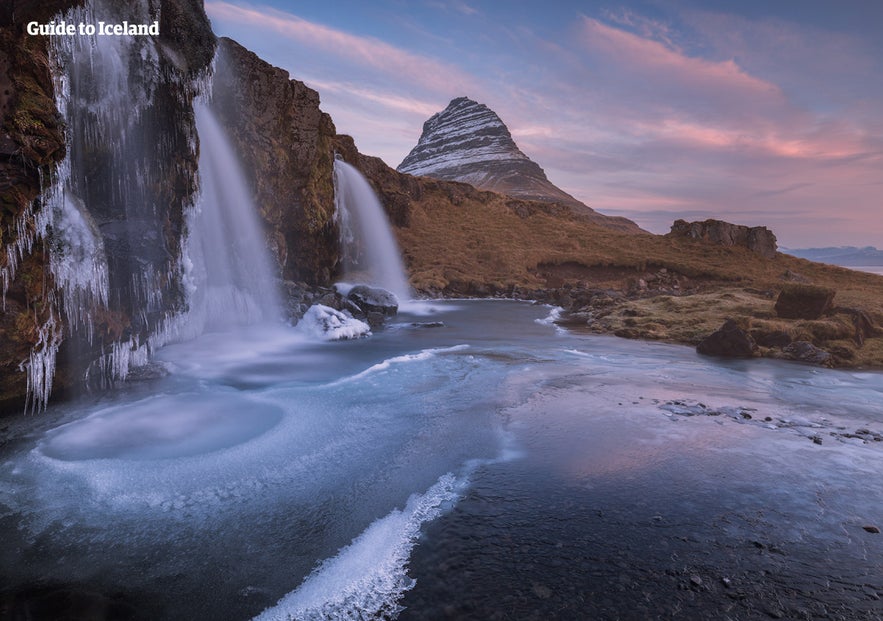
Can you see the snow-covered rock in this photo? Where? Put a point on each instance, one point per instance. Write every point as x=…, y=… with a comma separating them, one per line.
x=327, y=323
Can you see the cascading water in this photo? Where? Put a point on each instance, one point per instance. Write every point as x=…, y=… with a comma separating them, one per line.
x=230, y=278
x=370, y=252
x=132, y=242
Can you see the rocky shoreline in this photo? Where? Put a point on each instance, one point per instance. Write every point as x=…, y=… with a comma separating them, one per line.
x=827, y=335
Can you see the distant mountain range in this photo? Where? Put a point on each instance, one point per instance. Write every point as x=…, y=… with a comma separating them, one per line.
x=847, y=256
x=468, y=142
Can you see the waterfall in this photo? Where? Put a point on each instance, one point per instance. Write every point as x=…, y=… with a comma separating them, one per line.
x=144, y=249
x=370, y=252
x=229, y=278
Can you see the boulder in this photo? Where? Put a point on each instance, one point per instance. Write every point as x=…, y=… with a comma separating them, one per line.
x=804, y=351
x=374, y=299
x=800, y=301
x=336, y=301
x=729, y=341
x=758, y=239
x=330, y=324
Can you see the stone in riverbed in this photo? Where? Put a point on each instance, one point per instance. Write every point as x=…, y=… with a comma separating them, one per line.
x=804, y=351
x=729, y=341
x=331, y=324
x=374, y=299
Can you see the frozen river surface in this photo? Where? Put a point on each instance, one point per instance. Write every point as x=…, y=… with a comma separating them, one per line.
x=470, y=461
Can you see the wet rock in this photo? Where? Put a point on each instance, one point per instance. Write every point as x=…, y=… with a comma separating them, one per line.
x=334, y=300
x=374, y=299
x=804, y=351
x=729, y=341
x=428, y=324
x=803, y=301
x=375, y=319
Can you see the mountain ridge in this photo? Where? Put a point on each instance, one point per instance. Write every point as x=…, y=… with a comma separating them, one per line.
x=847, y=256
x=469, y=143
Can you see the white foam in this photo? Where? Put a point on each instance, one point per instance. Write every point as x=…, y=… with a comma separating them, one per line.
x=367, y=578
x=553, y=316
x=423, y=308
x=424, y=354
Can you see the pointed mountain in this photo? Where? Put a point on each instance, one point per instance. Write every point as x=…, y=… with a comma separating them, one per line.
x=468, y=142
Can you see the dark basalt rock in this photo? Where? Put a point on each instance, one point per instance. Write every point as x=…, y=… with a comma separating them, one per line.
x=799, y=301
x=729, y=341
x=374, y=300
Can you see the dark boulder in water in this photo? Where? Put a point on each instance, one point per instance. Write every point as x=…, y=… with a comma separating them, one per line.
x=729, y=341
x=374, y=299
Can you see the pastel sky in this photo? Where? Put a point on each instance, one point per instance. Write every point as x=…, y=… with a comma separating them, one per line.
x=755, y=112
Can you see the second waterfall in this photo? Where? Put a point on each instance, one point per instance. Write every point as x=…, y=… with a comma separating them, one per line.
x=370, y=252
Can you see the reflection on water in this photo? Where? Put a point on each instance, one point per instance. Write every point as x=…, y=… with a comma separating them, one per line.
x=215, y=490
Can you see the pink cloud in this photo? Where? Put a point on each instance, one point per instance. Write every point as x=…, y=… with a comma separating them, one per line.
x=658, y=64
x=365, y=51
x=408, y=105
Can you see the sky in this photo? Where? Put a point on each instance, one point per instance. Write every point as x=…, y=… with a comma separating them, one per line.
x=755, y=112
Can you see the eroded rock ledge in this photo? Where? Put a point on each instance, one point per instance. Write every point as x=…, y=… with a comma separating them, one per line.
x=758, y=239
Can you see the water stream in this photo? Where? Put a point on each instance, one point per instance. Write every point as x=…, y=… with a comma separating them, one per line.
x=273, y=474
x=370, y=252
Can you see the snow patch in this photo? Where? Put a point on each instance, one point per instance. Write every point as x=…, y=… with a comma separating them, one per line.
x=329, y=324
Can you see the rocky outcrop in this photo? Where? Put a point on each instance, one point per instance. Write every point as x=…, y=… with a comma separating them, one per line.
x=800, y=301
x=286, y=146
x=469, y=143
x=730, y=341
x=758, y=239
x=31, y=143
x=804, y=351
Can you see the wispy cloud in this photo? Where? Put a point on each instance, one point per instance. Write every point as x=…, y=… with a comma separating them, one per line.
x=647, y=28
x=697, y=113
x=409, y=105
x=455, y=5
x=369, y=52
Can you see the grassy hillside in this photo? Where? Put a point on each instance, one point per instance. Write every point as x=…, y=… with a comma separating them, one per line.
x=457, y=240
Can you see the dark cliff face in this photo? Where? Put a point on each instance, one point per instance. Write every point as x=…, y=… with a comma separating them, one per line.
x=132, y=178
x=285, y=143
x=31, y=142
x=468, y=142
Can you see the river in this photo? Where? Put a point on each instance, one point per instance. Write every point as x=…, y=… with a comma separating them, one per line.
x=470, y=461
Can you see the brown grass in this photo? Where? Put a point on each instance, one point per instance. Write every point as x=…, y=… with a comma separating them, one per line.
x=479, y=239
